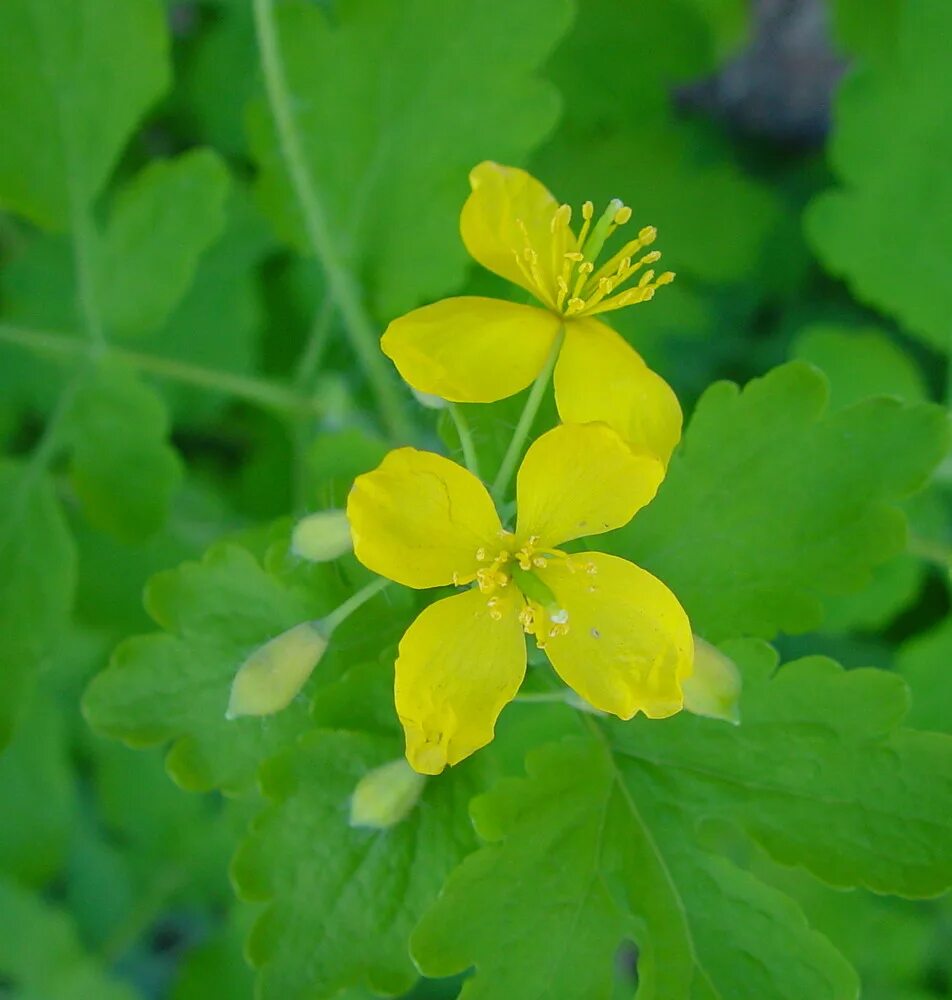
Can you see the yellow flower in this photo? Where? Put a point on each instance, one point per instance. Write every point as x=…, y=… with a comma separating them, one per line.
x=477, y=350
x=612, y=631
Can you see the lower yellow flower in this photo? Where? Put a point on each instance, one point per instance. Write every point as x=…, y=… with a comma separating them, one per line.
x=612, y=631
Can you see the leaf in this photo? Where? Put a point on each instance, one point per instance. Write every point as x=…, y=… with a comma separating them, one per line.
x=892, y=142
x=613, y=832
x=343, y=900
x=36, y=794
x=159, y=226
x=122, y=466
x=441, y=85
x=926, y=663
x=772, y=503
x=74, y=81
x=547, y=923
x=40, y=955
x=174, y=685
x=37, y=584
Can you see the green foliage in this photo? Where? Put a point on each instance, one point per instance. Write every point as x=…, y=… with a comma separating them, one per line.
x=759, y=516
x=80, y=79
x=891, y=146
x=208, y=213
x=441, y=86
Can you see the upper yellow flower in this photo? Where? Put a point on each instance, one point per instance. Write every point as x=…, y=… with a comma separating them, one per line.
x=477, y=350
x=612, y=631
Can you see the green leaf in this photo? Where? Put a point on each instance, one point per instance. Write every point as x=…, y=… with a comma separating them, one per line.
x=577, y=864
x=611, y=837
x=892, y=143
x=926, y=663
x=441, y=85
x=343, y=900
x=36, y=794
x=37, y=583
x=75, y=79
x=122, y=466
x=41, y=957
x=174, y=685
x=159, y=226
x=773, y=503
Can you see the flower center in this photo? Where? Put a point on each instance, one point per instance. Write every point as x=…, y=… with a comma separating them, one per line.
x=541, y=616
x=570, y=284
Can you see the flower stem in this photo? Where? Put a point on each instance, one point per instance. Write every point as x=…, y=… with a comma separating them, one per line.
x=360, y=329
x=465, y=439
x=261, y=392
x=526, y=419
x=328, y=623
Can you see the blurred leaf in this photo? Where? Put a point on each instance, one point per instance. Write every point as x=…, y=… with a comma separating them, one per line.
x=891, y=147
x=36, y=794
x=122, y=466
x=37, y=583
x=159, y=226
x=868, y=30
x=343, y=900
x=174, y=685
x=41, y=957
x=335, y=459
x=859, y=362
x=75, y=80
x=773, y=503
x=422, y=92
x=926, y=663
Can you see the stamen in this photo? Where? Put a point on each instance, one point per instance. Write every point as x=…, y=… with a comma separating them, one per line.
x=588, y=210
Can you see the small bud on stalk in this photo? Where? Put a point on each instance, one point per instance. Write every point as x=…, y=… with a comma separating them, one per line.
x=714, y=688
x=385, y=795
x=322, y=536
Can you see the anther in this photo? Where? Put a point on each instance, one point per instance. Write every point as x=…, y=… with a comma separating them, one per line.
x=588, y=210
x=480, y=554
x=622, y=215
x=647, y=235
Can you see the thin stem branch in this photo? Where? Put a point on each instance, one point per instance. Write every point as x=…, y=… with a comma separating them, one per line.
x=465, y=439
x=317, y=338
x=360, y=329
x=526, y=419
x=261, y=392
x=330, y=622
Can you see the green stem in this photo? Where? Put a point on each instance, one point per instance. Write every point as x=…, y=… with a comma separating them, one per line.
x=526, y=419
x=565, y=697
x=465, y=439
x=360, y=330
x=316, y=345
x=261, y=392
x=328, y=623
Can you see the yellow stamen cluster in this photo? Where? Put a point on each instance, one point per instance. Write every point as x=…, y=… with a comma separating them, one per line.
x=569, y=282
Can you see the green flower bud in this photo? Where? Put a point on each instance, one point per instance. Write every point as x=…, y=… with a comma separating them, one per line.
x=385, y=795
x=322, y=537
x=275, y=672
x=714, y=687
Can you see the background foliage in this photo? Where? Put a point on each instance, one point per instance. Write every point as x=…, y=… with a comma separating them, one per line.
x=209, y=212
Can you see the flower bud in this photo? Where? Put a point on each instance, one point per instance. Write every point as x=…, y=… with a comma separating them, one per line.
x=275, y=672
x=714, y=687
x=385, y=795
x=322, y=536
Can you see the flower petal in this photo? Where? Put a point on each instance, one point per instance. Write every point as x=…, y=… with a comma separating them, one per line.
x=599, y=376
x=457, y=668
x=582, y=479
x=470, y=349
x=502, y=198
x=418, y=518
x=628, y=645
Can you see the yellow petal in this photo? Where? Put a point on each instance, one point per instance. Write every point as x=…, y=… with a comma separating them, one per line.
x=470, y=349
x=599, y=376
x=582, y=479
x=503, y=197
x=629, y=645
x=458, y=666
x=418, y=518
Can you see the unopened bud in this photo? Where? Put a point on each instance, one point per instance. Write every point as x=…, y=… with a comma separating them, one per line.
x=322, y=536
x=714, y=688
x=386, y=795
x=428, y=400
x=275, y=672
